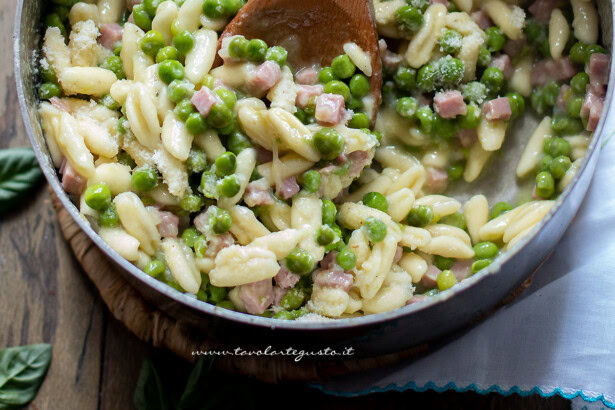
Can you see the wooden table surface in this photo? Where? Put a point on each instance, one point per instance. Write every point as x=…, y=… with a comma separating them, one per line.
x=45, y=297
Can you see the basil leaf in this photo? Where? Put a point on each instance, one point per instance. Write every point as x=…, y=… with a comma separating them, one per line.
x=22, y=371
x=19, y=171
x=150, y=393
x=195, y=391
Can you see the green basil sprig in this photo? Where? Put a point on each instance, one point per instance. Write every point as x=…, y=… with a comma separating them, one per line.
x=19, y=171
x=22, y=371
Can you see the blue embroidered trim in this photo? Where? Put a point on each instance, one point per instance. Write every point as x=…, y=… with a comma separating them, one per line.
x=471, y=387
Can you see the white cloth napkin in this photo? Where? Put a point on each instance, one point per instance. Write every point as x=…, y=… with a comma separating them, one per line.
x=558, y=337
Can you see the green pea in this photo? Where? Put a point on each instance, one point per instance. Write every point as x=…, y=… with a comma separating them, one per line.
x=474, y=92
x=48, y=74
x=196, y=124
x=564, y=125
x=499, y=208
x=409, y=19
x=227, y=96
x=219, y=116
x=190, y=235
x=214, y=8
x=200, y=246
x=376, y=200
x=329, y=212
x=443, y=263
x=226, y=304
x=544, y=48
x=49, y=90
x=325, y=235
x=343, y=67
x=191, y=203
x=108, y=218
x=452, y=8
x=301, y=116
x=62, y=12
x=446, y=280
x=220, y=220
x=420, y=216
x=179, y=90
x=471, y=119
x=359, y=120
x=256, y=50
x=228, y=186
x=232, y=7
x=183, y=42
x=444, y=127
x=151, y=6
x=183, y=109
x=407, y=106
x=310, y=109
x=450, y=41
x=114, y=63
x=326, y=75
x=495, y=38
x=574, y=107
x=376, y=134
x=426, y=119
x=226, y=164
x=375, y=229
x=122, y=125
x=455, y=171
x=405, y=78
x=277, y=54
x=517, y=104
x=53, y=20
x=237, y=142
x=216, y=294
x=141, y=17
x=98, y=196
x=346, y=259
x=152, y=42
x=451, y=70
x=556, y=147
x=338, y=87
x=155, y=268
x=144, y=178
x=230, y=128
x=170, y=70
x=293, y=299
x=578, y=53
x=592, y=49
x=197, y=161
x=534, y=31
x=457, y=219
x=209, y=81
x=426, y=77
x=238, y=47
x=544, y=164
x=284, y=315
x=329, y=143
x=125, y=159
x=300, y=261
x=118, y=49
x=579, y=82
x=559, y=166
x=359, y=85
x=550, y=93
x=201, y=295
x=480, y=264
x=537, y=102
x=545, y=185
x=484, y=57
x=493, y=78
x=485, y=250
x=311, y=181
x=108, y=102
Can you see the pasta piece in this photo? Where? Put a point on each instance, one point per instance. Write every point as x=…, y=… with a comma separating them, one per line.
x=71, y=143
x=559, y=32
x=233, y=75
x=237, y=265
x=162, y=196
x=352, y=216
x=142, y=260
x=215, y=24
x=110, y=10
x=491, y=134
x=521, y=78
x=280, y=243
x=180, y=260
x=385, y=17
x=393, y=157
x=137, y=221
x=421, y=46
x=570, y=173
x=210, y=143
x=370, y=277
x=518, y=237
x=166, y=14
x=400, y=204
x=173, y=172
x=328, y=301
x=141, y=155
x=131, y=38
x=93, y=81
x=393, y=126
x=414, y=265
x=83, y=45
x=530, y=216
x=290, y=165
x=306, y=215
x=359, y=244
x=578, y=145
x=440, y=204
x=55, y=50
x=200, y=59
x=246, y=161
x=585, y=23
x=175, y=137
x=359, y=57
x=438, y=230
x=51, y=127
x=256, y=126
x=292, y=133
x=284, y=94
x=380, y=185
x=204, y=265
x=115, y=175
x=97, y=138
x=120, y=89
x=356, y=139
x=396, y=290
x=476, y=214
x=476, y=162
x=463, y=5
x=494, y=229
x=435, y=159
x=354, y=301
x=510, y=19
x=413, y=237
x=121, y=242
x=143, y=116
x=449, y=247
x=83, y=12
x=280, y=215
x=533, y=151
x=189, y=15
x=140, y=64
x=470, y=49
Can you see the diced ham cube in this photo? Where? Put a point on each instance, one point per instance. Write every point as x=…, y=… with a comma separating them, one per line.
x=591, y=99
x=333, y=278
x=330, y=109
x=597, y=89
x=168, y=226
x=390, y=60
x=203, y=100
x=285, y=279
x=329, y=261
x=288, y=188
x=263, y=77
x=430, y=278
x=442, y=2
x=598, y=69
x=482, y=19
x=497, y=109
x=399, y=252
x=263, y=155
x=72, y=182
x=278, y=294
x=592, y=109
x=503, y=63
x=449, y=104
x=514, y=47
x=424, y=99
x=307, y=76
x=258, y=193
x=562, y=101
x=131, y=3
x=131, y=19
x=550, y=70
x=358, y=161
x=462, y=268
x=305, y=92
x=436, y=180
x=257, y=296
x=110, y=34
x=215, y=243
x=541, y=10
x=467, y=137
x=416, y=299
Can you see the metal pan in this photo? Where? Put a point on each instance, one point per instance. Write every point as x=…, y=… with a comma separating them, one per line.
x=369, y=335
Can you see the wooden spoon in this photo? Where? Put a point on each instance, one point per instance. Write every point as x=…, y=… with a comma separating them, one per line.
x=312, y=31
